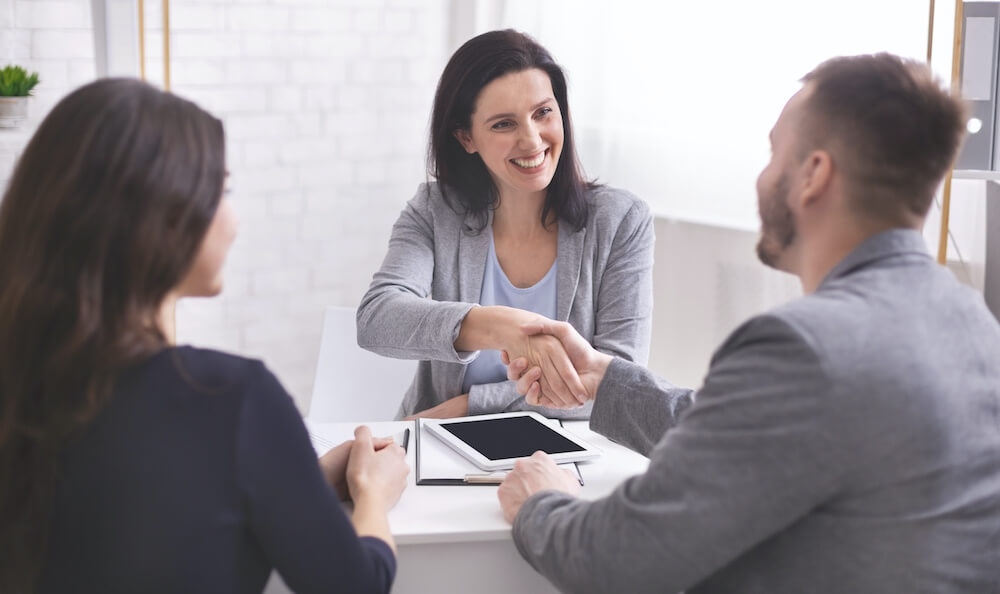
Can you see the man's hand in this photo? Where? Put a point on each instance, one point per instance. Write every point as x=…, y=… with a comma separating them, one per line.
x=334, y=464
x=531, y=475
x=590, y=364
x=449, y=409
x=558, y=381
x=502, y=328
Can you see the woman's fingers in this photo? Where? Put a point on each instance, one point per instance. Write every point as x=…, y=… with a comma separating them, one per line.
x=557, y=379
x=528, y=380
x=533, y=394
x=516, y=368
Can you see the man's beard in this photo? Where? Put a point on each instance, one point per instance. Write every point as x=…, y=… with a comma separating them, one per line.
x=777, y=223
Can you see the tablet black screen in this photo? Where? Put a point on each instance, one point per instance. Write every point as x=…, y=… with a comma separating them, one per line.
x=512, y=437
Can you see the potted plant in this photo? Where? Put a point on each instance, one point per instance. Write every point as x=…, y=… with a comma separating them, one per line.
x=15, y=87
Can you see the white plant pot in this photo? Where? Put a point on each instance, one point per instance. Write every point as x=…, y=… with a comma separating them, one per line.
x=13, y=111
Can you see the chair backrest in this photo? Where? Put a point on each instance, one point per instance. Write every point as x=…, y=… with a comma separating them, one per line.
x=353, y=384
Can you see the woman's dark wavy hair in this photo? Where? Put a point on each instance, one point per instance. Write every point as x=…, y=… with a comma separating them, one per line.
x=478, y=62
x=102, y=218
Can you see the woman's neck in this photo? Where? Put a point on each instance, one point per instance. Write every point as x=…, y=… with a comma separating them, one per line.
x=520, y=215
x=167, y=319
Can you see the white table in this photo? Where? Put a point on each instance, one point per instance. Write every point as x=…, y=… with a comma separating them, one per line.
x=455, y=539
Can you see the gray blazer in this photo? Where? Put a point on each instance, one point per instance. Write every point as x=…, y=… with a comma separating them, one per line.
x=848, y=441
x=432, y=276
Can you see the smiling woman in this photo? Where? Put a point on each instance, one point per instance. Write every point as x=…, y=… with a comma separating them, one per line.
x=509, y=231
x=521, y=149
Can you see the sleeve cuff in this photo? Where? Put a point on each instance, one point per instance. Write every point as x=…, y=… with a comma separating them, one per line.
x=611, y=385
x=526, y=528
x=383, y=551
x=497, y=397
x=462, y=356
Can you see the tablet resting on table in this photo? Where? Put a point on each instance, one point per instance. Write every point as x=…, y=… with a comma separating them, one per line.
x=495, y=442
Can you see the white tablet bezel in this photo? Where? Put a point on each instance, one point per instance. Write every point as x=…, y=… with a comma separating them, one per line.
x=588, y=452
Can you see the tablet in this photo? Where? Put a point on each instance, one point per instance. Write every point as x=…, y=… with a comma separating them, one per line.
x=495, y=442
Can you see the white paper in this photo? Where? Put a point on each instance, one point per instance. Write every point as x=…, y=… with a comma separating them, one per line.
x=324, y=439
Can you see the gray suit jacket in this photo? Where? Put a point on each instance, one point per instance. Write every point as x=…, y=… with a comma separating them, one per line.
x=848, y=441
x=432, y=276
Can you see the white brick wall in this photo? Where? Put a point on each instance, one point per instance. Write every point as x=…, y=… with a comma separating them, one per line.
x=326, y=123
x=327, y=135
x=53, y=38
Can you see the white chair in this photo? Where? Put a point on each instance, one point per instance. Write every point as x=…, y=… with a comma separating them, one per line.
x=353, y=384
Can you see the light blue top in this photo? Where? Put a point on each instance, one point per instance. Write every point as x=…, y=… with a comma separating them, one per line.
x=498, y=290
x=432, y=275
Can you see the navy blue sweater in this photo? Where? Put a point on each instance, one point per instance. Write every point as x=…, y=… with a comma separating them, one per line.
x=199, y=477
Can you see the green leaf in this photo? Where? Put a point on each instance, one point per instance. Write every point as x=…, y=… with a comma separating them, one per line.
x=16, y=82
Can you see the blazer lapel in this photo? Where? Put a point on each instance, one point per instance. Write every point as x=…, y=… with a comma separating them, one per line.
x=570, y=259
x=472, y=251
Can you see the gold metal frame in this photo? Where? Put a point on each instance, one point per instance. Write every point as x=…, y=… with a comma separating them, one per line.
x=166, y=42
x=955, y=63
x=168, y=314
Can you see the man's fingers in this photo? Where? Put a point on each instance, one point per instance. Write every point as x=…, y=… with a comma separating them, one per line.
x=571, y=379
x=561, y=330
x=546, y=326
x=555, y=391
x=558, y=388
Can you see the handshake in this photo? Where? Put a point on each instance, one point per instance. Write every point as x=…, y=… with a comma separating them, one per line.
x=553, y=365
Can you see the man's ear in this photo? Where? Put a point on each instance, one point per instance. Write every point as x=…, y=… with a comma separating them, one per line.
x=465, y=139
x=817, y=174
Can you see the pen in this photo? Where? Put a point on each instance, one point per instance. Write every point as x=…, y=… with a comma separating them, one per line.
x=494, y=478
x=406, y=440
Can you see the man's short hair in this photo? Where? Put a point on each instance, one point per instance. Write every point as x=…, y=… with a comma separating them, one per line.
x=890, y=127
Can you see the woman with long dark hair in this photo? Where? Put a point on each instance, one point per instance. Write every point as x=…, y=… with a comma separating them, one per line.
x=509, y=230
x=127, y=464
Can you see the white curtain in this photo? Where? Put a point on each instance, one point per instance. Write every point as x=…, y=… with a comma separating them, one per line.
x=674, y=100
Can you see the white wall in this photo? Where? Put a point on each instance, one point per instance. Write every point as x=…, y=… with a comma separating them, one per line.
x=706, y=281
x=326, y=105
x=674, y=100
x=53, y=38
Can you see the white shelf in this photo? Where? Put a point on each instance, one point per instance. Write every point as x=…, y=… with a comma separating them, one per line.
x=976, y=174
x=15, y=137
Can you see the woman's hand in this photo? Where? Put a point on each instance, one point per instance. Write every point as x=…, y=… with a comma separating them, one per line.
x=558, y=383
x=334, y=464
x=375, y=477
x=504, y=329
x=588, y=362
x=449, y=409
